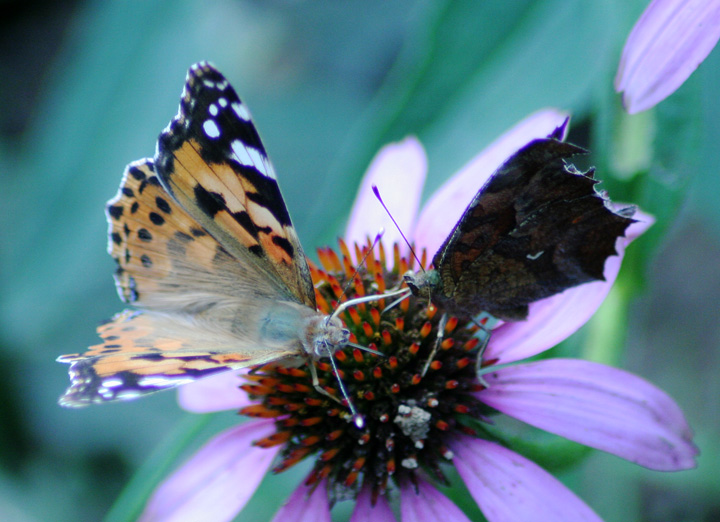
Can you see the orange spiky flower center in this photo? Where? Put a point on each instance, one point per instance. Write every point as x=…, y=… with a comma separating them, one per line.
x=408, y=416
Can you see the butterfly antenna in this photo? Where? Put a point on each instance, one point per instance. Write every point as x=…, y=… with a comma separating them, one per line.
x=396, y=301
x=412, y=251
x=366, y=299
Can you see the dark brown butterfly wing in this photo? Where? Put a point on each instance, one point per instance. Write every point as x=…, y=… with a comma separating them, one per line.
x=537, y=228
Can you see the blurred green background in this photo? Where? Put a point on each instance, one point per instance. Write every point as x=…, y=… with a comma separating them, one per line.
x=85, y=88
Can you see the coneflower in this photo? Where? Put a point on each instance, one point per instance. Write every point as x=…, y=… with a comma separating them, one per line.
x=419, y=425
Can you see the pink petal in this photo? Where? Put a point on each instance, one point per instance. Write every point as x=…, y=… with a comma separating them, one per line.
x=510, y=488
x=217, y=393
x=445, y=207
x=555, y=318
x=217, y=481
x=598, y=406
x=398, y=171
x=306, y=505
x=427, y=505
x=365, y=512
x=668, y=42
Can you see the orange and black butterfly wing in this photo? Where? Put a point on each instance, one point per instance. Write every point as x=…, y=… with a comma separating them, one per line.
x=211, y=269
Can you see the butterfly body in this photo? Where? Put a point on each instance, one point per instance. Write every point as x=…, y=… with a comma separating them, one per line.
x=207, y=253
x=535, y=229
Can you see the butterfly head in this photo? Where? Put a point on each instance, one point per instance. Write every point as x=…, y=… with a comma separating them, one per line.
x=422, y=284
x=325, y=335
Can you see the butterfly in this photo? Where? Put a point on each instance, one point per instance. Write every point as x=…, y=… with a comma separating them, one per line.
x=536, y=228
x=207, y=253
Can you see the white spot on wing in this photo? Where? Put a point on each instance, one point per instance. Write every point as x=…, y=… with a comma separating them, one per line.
x=128, y=394
x=211, y=129
x=160, y=381
x=213, y=109
x=241, y=111
x=222, y=102
x=251, y=157
x=112, y=382
x=270, y=171
x=533, y=257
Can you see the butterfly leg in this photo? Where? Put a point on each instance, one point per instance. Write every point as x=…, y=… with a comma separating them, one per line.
x=481, y=350
x=438, y=341
x=358, y=419
x=405, y=293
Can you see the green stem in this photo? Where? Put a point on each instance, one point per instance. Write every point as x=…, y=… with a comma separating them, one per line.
x=633, y=144
x=608, y=328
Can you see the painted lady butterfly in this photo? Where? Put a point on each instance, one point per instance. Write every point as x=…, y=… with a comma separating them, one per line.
x=536, y=228
x=206, y=250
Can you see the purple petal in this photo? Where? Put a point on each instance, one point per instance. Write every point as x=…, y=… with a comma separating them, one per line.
x=217, y=393
x=510, y=488
x=444, y=208
x=643, y=222
x=217, y=481
x=398, y=171
x=427, y=505
x=306, y=505
x=598, y=406
x=668, y=42
x=365, y=512
x=555, y=318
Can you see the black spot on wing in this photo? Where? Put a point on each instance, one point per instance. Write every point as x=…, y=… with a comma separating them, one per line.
x=284, y=244
x=244, y=220
x=156, y=218
x=144, y=235
x=136, y=173
x=163, y=205
x=267, y=194
x=150, y=357
x=209, y=202
x=115, y=211
x=183, y=237
x=151, y=181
